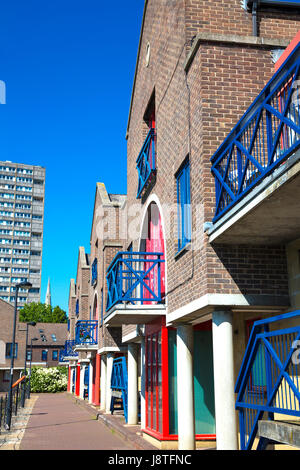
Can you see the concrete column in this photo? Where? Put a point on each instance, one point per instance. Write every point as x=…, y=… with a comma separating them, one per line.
x=109, y=366
x=132, y=384
x=103, y=383
x=91, y=369
x=185, y=388
x=81, y=387
x=143, y=384
x=71, y=378
x=226, y=432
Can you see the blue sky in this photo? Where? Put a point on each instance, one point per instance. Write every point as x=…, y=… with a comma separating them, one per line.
x=68, y=66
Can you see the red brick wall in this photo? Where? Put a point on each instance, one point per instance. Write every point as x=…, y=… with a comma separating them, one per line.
x=228, y=17
x=104, y=249
x=194, y=113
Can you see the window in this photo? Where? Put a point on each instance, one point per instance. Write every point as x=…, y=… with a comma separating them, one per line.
x=28, y=356
x=8, y=351
x=54, y=355
x=6, y=376
x=258, y=377
x=184, y=205
x=94, y=272
x=44, y=354
x=24, y=171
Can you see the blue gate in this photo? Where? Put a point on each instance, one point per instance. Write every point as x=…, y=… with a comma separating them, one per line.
x=86, y=381
x=119, y=385
x=268, y=381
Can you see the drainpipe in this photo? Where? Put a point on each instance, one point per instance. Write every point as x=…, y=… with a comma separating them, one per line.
x=254, y=18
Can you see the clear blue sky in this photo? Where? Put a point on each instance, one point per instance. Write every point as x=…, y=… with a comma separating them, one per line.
x=68, y=66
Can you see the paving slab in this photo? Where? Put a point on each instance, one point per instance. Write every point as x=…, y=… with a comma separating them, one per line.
x=10, y=440
x=116, y=423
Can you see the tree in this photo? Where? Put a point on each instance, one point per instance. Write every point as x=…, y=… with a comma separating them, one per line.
x=42, y=313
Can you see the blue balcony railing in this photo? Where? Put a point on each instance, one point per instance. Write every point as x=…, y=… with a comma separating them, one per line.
x=68, y=351
x=134, y=277
x=94, y=272
x=145, y=162
x=264, y=138
x=86, y=332
x=268, y=381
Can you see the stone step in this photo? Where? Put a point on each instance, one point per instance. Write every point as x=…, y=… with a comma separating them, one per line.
x=283, y=432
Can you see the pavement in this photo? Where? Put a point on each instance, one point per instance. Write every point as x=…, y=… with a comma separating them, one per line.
x=61, y=421
x=10, y=440
x=58, y=422
x=117, y=424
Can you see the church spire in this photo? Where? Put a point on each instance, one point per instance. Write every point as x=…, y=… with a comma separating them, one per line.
x=48, y=294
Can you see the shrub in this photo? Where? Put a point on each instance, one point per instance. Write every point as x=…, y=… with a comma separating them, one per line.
x=48, y=380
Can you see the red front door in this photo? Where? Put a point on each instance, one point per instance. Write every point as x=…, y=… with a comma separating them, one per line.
x=155, y=244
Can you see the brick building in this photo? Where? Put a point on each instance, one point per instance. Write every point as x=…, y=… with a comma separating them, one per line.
x=21, y=229
x=209, y=236
x=87, y=297
x=50, y=340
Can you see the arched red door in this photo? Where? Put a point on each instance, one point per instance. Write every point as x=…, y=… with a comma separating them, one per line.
x=155, y=244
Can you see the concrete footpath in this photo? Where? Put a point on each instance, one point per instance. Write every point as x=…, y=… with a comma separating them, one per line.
x=57, y=422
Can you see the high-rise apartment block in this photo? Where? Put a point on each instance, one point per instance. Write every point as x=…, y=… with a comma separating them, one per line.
x=22, y=190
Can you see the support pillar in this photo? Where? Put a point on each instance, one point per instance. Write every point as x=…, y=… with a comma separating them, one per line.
x=143, y=384
x=103, y=383
x=132, y=384
x=185, y=388
x=109, y=367
x=226, y=432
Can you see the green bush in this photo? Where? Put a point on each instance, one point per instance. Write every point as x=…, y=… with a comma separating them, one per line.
x=48, y=380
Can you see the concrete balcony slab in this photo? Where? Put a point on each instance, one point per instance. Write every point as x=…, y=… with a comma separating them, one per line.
x=133, y=314
x=269, y=214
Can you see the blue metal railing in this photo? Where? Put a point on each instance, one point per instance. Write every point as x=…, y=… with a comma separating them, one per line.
x=266, y=135
x=134, y=277
x=86, y=332
x=94, y=272
x=145, y=162
x=269, y=378
x=68, y=351
x=119, y=384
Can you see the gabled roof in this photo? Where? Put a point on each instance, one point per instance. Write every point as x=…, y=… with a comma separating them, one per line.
x=136, y=67
x=107, y=200
x=83, y=261
x=47, y=333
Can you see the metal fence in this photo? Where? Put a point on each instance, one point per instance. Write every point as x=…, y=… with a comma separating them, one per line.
x=134, y=277
x=269, y=378
x=16, y=398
